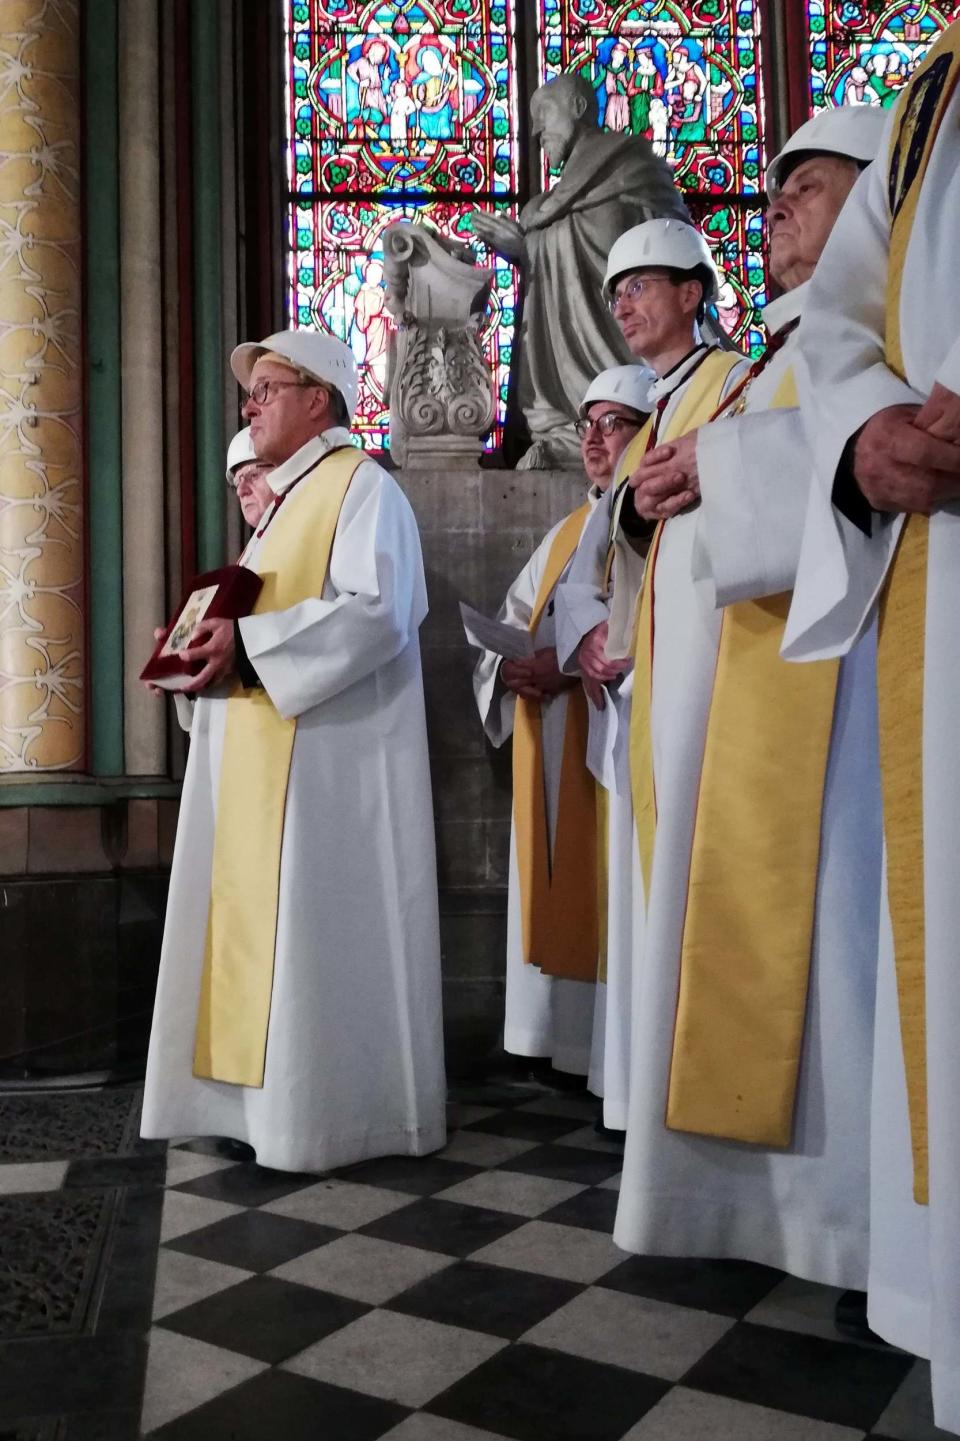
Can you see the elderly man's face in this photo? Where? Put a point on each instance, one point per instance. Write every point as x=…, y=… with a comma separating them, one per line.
x=252, y=484
x=801, y=218
x=292, y=413
x=605, y=440
x=554, y=120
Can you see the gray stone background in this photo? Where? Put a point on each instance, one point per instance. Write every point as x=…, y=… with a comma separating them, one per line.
x=478, y=529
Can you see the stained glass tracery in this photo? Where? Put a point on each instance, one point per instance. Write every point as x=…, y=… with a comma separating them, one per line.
x=397, y=109
x=688, y=77
x=863, y=52
x=409, y=109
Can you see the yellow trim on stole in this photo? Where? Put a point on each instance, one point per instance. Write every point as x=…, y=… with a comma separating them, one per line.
x=694, y=408
x=558, y=893
x=237, y=984
x=751, y=898
x=603, y=879
x=902, y=628
x=701, y=392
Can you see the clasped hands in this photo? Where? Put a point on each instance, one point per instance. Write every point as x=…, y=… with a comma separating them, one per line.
x=596, y=670
x=537, y=677
x=666, y=481
x=906, y=458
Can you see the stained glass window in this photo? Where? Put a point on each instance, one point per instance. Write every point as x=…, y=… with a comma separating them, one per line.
x=862, y=52
x=688, y=77
x=397, y=109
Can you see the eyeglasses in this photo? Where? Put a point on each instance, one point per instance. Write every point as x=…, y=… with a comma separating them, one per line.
x=633, y=290
x=263, y=391
x=606, y=424
x=235, y=481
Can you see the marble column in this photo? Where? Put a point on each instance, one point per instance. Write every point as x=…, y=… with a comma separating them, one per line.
x=141, y=345
x=42, y=634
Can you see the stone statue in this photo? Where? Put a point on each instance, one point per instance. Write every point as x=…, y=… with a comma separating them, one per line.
x=609, y=183
x=439, y=387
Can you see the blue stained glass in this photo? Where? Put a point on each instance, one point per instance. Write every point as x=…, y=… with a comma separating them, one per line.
x=860, y=54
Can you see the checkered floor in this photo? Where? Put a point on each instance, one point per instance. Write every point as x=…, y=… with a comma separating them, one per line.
x=476, y=1295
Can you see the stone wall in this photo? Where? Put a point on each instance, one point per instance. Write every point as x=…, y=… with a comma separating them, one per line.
x=478, y=529
x=82, y=895
x=82, y=885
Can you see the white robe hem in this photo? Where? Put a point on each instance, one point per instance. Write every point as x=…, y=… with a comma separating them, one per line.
x=678, y=1225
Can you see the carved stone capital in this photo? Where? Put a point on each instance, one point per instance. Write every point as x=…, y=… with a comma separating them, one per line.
x=440, y=388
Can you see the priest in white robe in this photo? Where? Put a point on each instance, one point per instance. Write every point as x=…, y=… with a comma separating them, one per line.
x=882, y=404
x=758, y=820
x=659, y=277
x=298, y=1003
x=549, y=1011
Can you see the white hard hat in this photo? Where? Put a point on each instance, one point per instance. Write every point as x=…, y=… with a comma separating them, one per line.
x=670, y=243
x=850, y=131
x=314, y=351
x=625, y=384
x=240, y=451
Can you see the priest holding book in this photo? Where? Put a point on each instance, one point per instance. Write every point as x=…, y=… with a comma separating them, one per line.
x=298, y=1003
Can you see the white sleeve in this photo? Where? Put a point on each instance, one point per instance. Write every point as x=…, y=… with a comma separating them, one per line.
x=841, y=335
x=949, y=372
x=184, y=708
x=844, y=380
x=495, y=702
x=580, y=602
x=375, y=605
x=754, y=487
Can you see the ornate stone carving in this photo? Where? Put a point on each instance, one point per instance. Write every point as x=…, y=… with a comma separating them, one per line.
x=41, y=537
x=439, y=388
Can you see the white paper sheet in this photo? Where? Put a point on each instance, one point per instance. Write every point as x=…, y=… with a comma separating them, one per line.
x=486, y=634
x=601, y=742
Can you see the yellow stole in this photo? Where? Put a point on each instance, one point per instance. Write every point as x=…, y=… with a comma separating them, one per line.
x=558, y=893
x=237, y=982
x=902, y=627
x=700, y=398
x=603, y=878
x=748, y=930
x=694, y=408
x=745, y=954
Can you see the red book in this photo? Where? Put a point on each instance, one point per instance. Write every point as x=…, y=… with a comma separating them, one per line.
x=227, y=594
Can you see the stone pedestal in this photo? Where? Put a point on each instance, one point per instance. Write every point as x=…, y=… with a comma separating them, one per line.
x=478, y=528
x=440, y=453
x=440, y=391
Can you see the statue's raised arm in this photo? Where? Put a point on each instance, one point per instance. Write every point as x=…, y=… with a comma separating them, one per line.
x=502, y=235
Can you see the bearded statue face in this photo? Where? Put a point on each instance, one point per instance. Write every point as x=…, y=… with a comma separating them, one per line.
x=558, y=114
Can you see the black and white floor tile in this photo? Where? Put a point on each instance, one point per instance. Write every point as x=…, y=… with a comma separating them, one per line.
x=474, y=1295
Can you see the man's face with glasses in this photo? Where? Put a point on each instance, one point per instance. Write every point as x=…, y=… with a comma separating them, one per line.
x=285, y=410
x=604, y=435
x=251, y=482
x=646, y=306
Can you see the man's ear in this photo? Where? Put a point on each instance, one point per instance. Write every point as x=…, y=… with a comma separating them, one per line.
x=693, y=295
x=322, y=405
x=579, y=106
